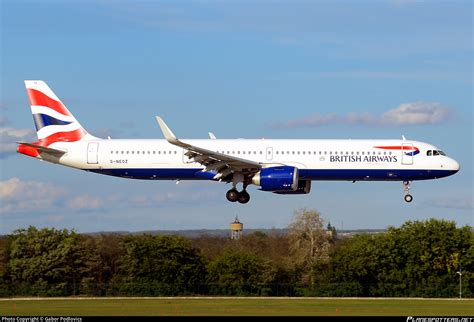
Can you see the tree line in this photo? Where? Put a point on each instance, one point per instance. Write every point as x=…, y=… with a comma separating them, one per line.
x=420, y=258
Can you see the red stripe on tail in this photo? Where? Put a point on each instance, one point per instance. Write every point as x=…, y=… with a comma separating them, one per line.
x=38, y=98
x=71, y=136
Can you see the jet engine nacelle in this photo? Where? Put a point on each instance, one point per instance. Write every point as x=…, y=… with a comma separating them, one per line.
x=304, y=187
x=277, y=179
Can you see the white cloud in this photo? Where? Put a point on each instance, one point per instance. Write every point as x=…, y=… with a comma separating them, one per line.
x=28, y=196
x=454, y=203
x=172, y=197
x=22, y=196
x=9, y=136
x=415, y=113
x=18, y=196
x=3, y=120
x=84, y=202
x=55, y=219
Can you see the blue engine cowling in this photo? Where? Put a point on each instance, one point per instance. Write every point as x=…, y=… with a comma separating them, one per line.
x=304, y=187
x=283, y=178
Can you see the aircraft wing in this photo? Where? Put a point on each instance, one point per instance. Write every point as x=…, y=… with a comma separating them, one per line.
x=223, y=164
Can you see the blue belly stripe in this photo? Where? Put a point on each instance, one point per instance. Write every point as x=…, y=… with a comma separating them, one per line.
x=304, y=174
x=153, y=174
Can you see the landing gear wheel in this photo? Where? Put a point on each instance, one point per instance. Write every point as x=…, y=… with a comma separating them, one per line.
x=406, y=189
x=232, y=195
x=244, y=197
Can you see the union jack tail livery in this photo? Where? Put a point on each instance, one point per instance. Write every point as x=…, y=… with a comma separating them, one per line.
x=53, y=121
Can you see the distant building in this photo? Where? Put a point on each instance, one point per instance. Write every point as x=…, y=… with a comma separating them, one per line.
x=236, y=229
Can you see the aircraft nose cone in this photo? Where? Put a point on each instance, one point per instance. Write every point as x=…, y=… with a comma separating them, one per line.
x=455, y=165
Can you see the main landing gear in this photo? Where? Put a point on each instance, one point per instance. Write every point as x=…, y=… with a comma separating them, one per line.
x=406, y=188
x=233, y=195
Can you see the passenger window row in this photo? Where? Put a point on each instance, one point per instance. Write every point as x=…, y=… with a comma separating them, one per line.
x=335, y=152
x=280, y=152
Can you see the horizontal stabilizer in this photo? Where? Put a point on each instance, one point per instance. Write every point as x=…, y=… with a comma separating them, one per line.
x=44, y=149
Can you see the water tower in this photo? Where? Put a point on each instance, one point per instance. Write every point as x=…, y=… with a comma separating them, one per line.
x=331, y=232
x=236, y=228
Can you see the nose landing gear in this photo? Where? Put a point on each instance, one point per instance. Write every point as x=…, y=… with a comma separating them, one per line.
x=406, y=188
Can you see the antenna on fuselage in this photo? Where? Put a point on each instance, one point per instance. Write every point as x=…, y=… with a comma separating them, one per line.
x=403, y=137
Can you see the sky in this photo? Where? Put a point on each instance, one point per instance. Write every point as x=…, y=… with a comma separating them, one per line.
x=241, y=69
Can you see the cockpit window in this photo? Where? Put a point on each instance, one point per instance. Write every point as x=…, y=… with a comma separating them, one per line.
x=434, y=152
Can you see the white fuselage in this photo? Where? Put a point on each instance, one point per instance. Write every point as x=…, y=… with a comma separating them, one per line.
x=315, y=159
x=279, y=166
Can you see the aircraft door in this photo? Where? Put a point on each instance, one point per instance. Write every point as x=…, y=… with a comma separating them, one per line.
x=185, y=157
x=269, y=153
x=407, y=153
x=92, y=153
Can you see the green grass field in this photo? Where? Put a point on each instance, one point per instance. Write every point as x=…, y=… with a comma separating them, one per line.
x=235, y=306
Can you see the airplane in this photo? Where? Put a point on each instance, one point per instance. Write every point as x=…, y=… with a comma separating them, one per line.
x=278, y=166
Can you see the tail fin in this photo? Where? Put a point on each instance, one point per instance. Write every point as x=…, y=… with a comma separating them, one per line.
x=54, y=122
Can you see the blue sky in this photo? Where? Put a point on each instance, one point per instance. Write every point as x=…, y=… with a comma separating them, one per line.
x=252, y=69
